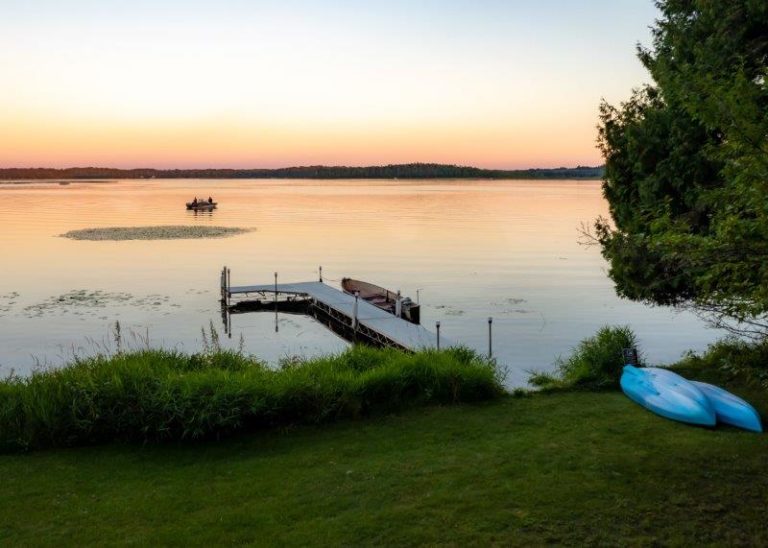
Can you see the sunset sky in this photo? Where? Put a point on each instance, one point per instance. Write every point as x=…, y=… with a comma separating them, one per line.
x=270, y=83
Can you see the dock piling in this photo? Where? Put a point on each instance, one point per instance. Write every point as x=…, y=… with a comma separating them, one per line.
x=437, y=327
x=490, y=337
x=354, y=310
x=225, y=285
x=276, y=322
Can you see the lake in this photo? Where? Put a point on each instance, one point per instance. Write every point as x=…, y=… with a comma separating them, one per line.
x=473, y=249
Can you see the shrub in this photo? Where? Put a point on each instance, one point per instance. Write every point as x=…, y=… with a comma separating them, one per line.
x=158, y=395
x=732, y=357
x=595, y=364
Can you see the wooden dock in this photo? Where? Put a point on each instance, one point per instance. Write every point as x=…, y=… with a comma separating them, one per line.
x=351, y=317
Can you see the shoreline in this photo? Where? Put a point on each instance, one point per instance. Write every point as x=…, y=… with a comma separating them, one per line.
x=393, y=171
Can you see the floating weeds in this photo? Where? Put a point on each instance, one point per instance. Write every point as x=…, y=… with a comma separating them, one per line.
x=7, y=301
x=450, y=310
x=172, y=232
x=288, y=322
x=508, y=306
x=82, y=301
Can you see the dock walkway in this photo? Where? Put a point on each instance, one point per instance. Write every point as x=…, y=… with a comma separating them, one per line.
x=372, y=322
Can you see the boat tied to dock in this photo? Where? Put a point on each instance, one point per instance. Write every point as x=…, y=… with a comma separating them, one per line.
x=390, y=301
x=348, y=315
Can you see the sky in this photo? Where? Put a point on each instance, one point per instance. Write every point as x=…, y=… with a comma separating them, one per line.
x=271, y=83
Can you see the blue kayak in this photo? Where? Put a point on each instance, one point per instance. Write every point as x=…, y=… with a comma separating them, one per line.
x=730, y=409
x=667, y=394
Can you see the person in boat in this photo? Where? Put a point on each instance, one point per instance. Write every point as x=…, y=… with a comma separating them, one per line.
x=210, y=200
x=194, y=202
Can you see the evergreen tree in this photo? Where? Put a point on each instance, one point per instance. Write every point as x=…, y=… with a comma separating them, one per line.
x=687, y=166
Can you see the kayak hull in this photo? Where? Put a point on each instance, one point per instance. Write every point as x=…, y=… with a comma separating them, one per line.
x=667, y=394
x=730, y=409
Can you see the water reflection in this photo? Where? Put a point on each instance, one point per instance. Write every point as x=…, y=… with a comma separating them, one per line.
x=201, y=212
x=469, y=249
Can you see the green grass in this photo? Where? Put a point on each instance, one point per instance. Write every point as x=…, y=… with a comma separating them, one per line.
x=159, y=395
x=560, y=467
x=570, y=468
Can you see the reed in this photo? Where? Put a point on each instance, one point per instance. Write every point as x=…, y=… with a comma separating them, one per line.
x=161, y=395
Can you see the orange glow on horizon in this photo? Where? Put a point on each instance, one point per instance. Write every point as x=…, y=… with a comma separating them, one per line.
x=274, y=84
x=227, y=144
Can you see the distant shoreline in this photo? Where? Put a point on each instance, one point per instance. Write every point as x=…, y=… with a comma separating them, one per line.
x=400, y=171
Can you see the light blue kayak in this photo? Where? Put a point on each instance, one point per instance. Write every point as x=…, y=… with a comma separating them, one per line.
x=730, y=409
x=667, y=394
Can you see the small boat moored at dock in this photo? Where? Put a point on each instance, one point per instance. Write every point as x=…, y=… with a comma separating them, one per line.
x=354, y=319
x=384, y=299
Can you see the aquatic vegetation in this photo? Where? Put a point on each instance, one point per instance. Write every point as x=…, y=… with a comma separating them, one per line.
x=161, y=395
x=91, y=300
x=171, y=232
x=510, y=305
x=7, y=302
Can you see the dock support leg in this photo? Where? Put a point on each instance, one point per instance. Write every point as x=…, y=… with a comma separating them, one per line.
x=276, y=325
x=354, y=315
x=437, y=327
x=224, y=286
x=490, y=338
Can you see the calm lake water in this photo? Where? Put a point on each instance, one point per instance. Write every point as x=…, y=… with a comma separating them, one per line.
x=473, y=249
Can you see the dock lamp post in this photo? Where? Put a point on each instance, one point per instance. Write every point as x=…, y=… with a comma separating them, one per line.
x=437, y=326
x=354, y=311
x=490, y=337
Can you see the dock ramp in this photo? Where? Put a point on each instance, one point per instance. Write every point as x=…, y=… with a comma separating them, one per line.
x=362, y=317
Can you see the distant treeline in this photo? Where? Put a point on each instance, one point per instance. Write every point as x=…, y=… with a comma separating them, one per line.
x=402, y=171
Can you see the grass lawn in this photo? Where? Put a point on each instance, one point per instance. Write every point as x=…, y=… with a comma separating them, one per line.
x=559, y=468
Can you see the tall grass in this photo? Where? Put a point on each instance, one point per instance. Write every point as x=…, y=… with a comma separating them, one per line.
x=160, y=395
x=595, y=364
